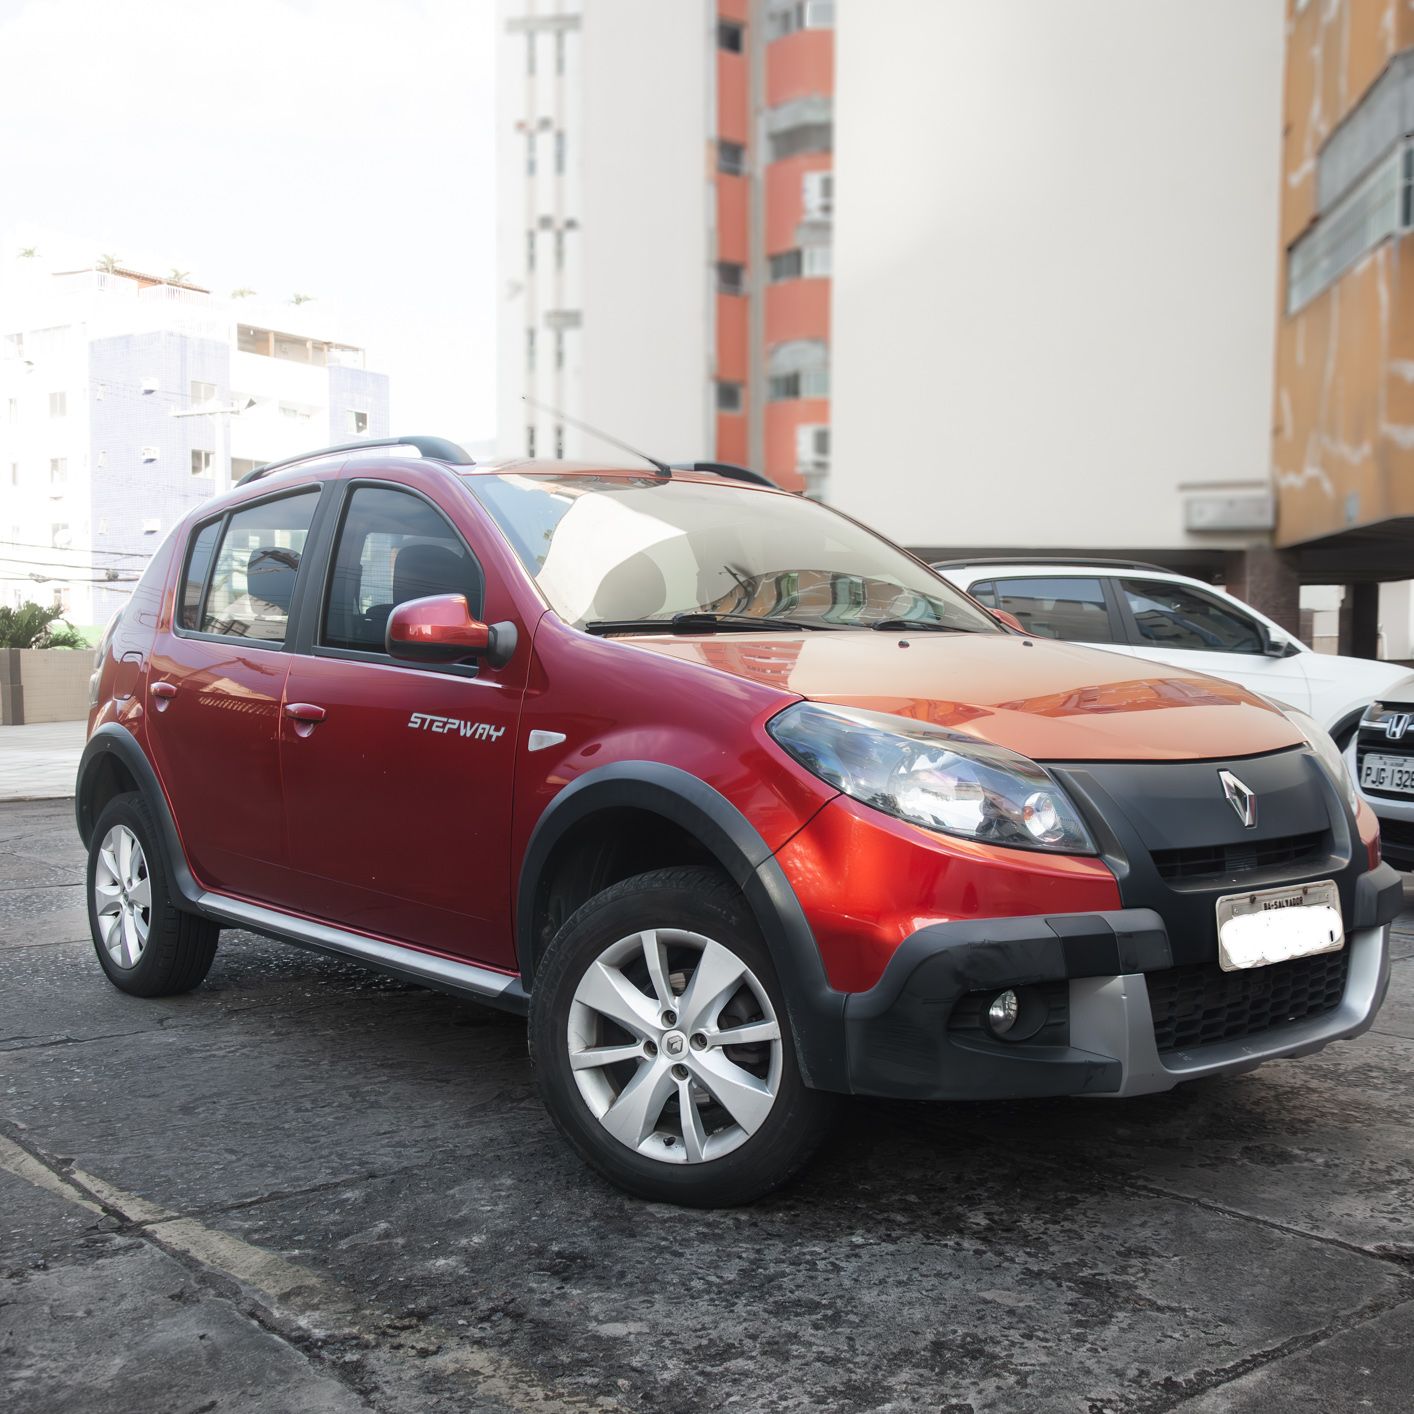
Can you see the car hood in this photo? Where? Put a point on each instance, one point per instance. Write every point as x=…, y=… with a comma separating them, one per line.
x=1050, y=701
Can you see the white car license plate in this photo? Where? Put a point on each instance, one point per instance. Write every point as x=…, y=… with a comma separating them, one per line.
x=1275, y=925
x=1394, y=773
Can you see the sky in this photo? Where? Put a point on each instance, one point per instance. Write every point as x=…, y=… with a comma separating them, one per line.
x=339, y=148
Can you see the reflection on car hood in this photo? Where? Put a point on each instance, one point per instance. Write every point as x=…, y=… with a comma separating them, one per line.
x=1051, y=701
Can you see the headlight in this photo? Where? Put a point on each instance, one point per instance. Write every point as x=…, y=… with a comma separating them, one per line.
x=933, y=778
x=1323, y=744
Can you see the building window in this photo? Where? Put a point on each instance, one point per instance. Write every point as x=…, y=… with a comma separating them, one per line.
x=728, y=396
x=14, y=473
x=560, y=52
x=799, y=14
x=203, y=393
x=59, y=536
x=358, y=422
x=58, y=473
x=58, y=405
x=530, y=251
x=559, y=249
x=559, y=348
x=785, y=387
x=530, y=349
x=13, y=410
x=815, y=261
x=530, y=154
x=731, y=157
x=731, y=36
x=787, y=265
x=294, y=412
x=201, y=462
x=731, y=278
x=530, y=54
x=559, y=442
x=530, y=440
x=560, y=152
x=817, y=194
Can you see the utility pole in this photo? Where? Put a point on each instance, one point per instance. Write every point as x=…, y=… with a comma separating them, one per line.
x=220, y=414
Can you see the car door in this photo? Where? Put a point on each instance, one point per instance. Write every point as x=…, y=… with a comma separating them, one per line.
x=398, y=776
x=1182, y=625
x=214, y=689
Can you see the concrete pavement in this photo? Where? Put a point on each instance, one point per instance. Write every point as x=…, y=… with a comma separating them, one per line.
x=38, y=762
x=305, y=1187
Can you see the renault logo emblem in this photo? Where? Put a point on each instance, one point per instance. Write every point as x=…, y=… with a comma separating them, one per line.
x=1396, y=724
x=1240, y=797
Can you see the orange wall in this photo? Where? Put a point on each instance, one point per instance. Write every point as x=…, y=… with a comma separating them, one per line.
x=732, y=196
x=731, y=437
x=732, y=105
x=797, y=309
x=800, y=65
x=785, y=196
x=781, y=421
x=732, y=311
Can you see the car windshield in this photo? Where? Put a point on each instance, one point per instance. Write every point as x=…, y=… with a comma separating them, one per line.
x=627, y=550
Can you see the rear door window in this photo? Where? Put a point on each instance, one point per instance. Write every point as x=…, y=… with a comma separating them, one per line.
x=1176, y=616
x=1059, y=606
x=252, y=582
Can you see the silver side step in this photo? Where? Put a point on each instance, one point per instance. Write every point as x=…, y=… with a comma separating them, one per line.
x=498, y=988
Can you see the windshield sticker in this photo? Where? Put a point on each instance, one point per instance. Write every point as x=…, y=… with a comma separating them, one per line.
x=481, y=731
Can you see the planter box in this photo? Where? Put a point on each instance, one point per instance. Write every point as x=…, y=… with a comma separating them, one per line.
x=44, y=684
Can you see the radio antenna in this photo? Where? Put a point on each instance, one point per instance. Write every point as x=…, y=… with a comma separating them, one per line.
x=662, y=468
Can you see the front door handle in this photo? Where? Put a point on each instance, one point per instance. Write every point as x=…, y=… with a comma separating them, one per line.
x=305, y=712
x=164, y=692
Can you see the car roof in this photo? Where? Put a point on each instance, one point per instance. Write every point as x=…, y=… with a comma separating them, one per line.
x=1055, y=569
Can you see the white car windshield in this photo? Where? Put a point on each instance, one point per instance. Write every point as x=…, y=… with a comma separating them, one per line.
x=618, y=552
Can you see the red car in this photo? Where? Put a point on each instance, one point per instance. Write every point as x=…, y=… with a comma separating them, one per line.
x=742, y=803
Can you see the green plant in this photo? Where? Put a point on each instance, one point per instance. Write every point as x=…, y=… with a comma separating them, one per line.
x=242, y=292
x=35, y=626
x=109, y=263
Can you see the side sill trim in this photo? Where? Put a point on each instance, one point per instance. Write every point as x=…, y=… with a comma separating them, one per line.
x=463, y=978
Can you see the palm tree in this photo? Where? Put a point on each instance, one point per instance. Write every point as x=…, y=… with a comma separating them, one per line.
x=109, y=263
x=244, y=292
x=178, y=277
x=33, y=626
x=29, y=252
x=301, y=299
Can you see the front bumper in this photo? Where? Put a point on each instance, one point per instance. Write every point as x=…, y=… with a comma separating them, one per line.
x=900, y=1044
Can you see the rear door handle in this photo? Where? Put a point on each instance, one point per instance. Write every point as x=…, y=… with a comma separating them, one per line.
x=305, y=712
x=164, y=692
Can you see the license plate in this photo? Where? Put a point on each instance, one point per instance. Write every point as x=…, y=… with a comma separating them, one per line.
x=1275, y=925
x=1393, y=773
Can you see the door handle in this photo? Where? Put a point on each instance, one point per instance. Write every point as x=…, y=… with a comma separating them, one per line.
x=164, y=692
x=305, y=712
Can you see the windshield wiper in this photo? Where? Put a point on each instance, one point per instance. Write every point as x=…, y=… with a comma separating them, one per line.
x=702, y=622
x=918, y=626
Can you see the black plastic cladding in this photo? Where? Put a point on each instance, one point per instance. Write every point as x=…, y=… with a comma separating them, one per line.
x=1137, y=808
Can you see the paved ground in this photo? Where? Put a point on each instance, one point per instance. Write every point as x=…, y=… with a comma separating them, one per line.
x=38, y=762
x=304, y=1188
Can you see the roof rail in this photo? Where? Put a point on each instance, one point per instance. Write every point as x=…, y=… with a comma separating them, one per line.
x=1087, y=561
x=727, y=469
x=437, y=448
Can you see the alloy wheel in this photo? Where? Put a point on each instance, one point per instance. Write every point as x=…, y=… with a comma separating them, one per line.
x=675, y=1046
x=122, y=896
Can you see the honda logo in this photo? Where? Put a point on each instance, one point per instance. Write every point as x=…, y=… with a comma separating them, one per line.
x=1240, y=797
x=1396, y=724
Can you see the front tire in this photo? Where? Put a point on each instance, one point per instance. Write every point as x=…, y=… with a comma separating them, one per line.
x=145, y=944
x=661, y=1045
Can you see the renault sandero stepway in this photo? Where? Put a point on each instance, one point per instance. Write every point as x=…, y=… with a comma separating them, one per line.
x=744, y=806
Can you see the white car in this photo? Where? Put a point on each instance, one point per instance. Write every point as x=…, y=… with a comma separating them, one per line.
x=1381, y=758
x=1148, y=612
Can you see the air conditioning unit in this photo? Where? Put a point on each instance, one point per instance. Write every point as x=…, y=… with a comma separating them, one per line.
x=812, y=447
x=150, y=454
x=818, y=193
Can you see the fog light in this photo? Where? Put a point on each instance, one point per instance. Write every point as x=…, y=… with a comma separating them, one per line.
x=1001, y=1015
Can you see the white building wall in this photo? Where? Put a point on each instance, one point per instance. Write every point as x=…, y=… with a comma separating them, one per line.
x=1055, y=266
x=634, y=104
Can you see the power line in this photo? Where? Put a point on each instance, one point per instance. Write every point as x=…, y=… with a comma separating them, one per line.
x=13, y=560
x=36, y=545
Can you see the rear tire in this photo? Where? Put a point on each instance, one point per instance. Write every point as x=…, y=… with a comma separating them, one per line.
x=662, y=1047
x=145, y=944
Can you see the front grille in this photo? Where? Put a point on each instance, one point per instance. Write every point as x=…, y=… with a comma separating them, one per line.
x=1206, y=861
x=1200, y=1005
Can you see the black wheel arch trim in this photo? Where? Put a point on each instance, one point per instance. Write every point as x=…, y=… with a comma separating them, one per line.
x=816, y=1010
x=113, y=740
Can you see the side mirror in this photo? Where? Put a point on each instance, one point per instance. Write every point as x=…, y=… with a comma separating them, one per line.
x=1010, y=620
x=1273, y=647
x=440, y=629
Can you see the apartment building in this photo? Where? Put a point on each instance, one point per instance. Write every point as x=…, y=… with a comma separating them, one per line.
x=665, y=221
x=1343, y=404
x=127, y=398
